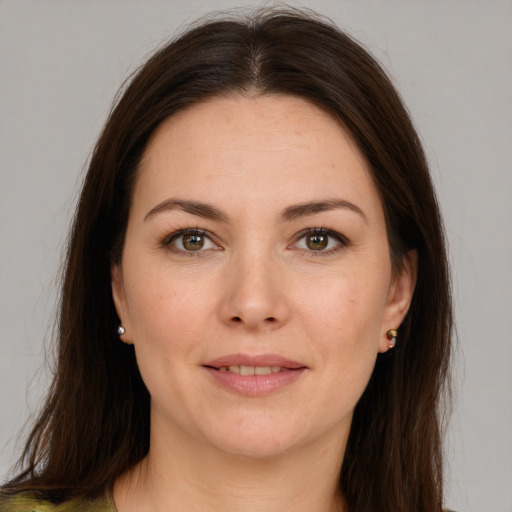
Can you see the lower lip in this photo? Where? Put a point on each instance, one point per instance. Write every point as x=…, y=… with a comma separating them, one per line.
x=255, y=385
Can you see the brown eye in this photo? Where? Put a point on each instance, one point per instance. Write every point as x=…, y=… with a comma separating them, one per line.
x=189, y=241
x=317, y=242
x=193, y=242
x=320, y=241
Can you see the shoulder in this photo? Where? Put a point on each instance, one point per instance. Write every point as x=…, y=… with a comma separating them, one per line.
x=27, y=502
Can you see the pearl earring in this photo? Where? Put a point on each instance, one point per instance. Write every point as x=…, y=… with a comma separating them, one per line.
x=121, y=330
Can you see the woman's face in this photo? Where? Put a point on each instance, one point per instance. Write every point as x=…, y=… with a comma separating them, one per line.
x=256, y=282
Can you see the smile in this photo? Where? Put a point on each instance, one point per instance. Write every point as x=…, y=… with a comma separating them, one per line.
x=250, y=370
x=254, y=375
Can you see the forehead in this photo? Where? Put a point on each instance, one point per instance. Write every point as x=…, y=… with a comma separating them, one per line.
x=261, y=148
x=258, y=122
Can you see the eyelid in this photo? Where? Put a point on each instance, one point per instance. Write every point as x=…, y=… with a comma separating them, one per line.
x=168, y=240
x=180, y=232
x=343, y=241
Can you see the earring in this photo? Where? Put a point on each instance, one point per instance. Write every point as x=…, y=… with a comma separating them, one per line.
x=121, y=330
x=392, y=334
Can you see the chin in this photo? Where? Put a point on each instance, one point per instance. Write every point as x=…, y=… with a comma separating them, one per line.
x=259, y=439
x=261, y=448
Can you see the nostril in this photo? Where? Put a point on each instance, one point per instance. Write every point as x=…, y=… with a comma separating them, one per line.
x=269, y=319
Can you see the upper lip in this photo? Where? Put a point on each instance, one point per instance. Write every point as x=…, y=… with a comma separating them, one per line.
x=260, y=360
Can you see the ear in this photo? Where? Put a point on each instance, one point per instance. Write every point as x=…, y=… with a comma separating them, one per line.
x=399, y=297
x=119, y=297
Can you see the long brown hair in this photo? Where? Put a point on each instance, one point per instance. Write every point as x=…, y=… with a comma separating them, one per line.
x=95, y=422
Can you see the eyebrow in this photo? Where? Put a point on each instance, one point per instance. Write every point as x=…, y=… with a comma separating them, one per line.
x=313, y=207
x=194, y=207
x=288, y=214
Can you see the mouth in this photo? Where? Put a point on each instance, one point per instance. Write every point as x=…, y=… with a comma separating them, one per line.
x=265, y=364
x=254, y=375
x=250, y=370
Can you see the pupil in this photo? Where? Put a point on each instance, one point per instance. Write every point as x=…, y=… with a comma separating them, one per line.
x=317, y=242
x=193, y=242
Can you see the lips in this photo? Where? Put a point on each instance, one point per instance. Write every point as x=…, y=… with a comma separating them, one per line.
x=254, y=375
x=250, y=370
x=265, y=360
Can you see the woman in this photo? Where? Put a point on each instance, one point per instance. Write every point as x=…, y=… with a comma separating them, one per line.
x=255, y=312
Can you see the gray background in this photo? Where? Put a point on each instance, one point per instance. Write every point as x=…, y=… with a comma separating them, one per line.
x=61, y=63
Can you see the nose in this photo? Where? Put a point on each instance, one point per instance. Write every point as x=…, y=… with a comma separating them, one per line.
x=254, y=297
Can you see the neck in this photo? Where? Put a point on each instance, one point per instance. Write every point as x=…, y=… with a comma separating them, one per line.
x=198, y=478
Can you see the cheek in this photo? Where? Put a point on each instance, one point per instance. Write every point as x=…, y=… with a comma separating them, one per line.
x=166, y=310
x=342, y=324
x=342, y=318
x=168, y=318
x=345, y=308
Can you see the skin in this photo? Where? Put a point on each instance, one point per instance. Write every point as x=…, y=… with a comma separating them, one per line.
x=255, y=287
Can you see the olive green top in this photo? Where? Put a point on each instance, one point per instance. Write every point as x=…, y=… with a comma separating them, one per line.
x=25, y=502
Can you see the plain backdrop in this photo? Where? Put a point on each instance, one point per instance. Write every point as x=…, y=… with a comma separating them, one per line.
x=61, y=63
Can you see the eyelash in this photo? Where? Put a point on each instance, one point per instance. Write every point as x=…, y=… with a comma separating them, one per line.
x=342, y=241
x=169, y=239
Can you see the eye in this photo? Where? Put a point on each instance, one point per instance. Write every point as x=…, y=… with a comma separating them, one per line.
x=189, y=240
x=320, y=240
